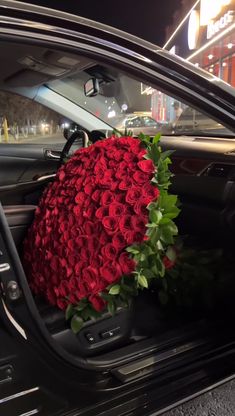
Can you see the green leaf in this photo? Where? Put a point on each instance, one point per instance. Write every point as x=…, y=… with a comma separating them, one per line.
x=142, y=281
x=166, y=154
x=115, y=290
x=69, y=312
x=133, y=250
x=76, y=323
x=148, y=273
x=89, y=313
x=105, y=296
x=171, y=254
x=164, y=220
x=155, y=216
x=111, y=307
x=81, y=305
x=157, y=138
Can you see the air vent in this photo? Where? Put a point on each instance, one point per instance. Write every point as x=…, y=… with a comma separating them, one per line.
x=220, y=170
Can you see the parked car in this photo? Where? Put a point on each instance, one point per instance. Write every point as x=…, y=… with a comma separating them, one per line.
x=138, y=362
x=139, y=124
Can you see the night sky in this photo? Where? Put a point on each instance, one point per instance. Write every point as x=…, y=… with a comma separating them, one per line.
x=145, y=18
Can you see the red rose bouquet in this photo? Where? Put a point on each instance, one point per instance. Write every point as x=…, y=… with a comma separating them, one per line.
x=104, y=228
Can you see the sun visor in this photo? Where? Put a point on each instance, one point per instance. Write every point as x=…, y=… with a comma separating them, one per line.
x=26, y=78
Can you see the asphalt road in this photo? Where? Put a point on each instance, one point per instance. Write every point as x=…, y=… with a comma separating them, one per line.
x=218, y=402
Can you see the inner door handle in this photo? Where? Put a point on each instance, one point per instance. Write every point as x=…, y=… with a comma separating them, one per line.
x=52, y=155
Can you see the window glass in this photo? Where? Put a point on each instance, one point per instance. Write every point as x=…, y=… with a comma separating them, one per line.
x=25, y=121
x=125, y=103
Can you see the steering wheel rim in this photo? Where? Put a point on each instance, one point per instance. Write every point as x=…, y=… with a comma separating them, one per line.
x=76, y=134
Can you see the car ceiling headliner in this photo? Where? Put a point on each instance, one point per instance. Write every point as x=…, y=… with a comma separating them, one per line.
x=30, y=66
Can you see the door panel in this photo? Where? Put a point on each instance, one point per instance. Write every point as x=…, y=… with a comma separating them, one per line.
x=21, y=167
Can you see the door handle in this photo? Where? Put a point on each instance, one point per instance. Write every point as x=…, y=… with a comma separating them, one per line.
x=52, y=155
x=4, y=267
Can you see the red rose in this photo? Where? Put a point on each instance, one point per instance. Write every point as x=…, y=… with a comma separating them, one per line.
x=73, y=283
x=125, y=223
x=130, y=142
x=110, y=272
x=118, y=155
x=73, y=298
x=110, y=224
x=89, y=212
x=116, y=210
x=77, y=210
x=80, y=198
x=119, y=241
x=125, y=184
x=61, y=174
x=109, y=251
x=130, y=157
x=138, y=223
x=62, y=303
x=133, y=237
x=146, y=166
x=55, y=263
x=50, y=294
x=107, y=177
x=90, y=277
x=93, y=245
x=63, y=288
x=107, y=198
x=134, y=194
x=120, y=197
x=104, y=237
x=151, y=193
x=102, y=212
x=72, y=260
x=78, y=184
x=88, y=189
x=85, y=255
x=141, y=177
x=89, y=228
x=140, y=208
x=127, y=264
x=96, y=195
x=97, y=302
x=81, y=241
x=167, y=262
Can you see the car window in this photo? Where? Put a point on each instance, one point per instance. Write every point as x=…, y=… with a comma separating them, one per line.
x=24, y=121
x=119, y=102
x=123, y=102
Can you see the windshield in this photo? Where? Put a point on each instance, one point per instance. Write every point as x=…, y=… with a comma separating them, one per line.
x=126, y=104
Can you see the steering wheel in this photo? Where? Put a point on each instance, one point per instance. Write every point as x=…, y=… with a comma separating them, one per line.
x=78, y=134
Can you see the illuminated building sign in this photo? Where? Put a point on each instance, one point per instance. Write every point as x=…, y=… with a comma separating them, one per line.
x=220, y=24
x=210, y=9
x=193, y=29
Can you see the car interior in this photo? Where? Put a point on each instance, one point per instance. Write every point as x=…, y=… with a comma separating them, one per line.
x=203, y=164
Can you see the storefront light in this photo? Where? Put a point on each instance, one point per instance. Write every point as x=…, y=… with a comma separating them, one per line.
x=229, y=45
x=224, y=64
x=210, y=56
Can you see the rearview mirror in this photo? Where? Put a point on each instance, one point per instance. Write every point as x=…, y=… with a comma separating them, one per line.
x=91, y=87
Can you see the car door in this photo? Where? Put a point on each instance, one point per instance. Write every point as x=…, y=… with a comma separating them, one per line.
x=40, y=369
x=31, y=139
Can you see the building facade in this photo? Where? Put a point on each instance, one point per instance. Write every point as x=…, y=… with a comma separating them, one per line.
x=206, y=37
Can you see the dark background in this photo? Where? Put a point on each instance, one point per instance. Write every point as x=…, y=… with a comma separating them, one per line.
x=145, y=18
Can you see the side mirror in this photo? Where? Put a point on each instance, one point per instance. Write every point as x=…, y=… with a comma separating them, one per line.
x=91, y=87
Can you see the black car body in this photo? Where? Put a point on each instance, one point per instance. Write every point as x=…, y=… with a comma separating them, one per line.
x=44, y=368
